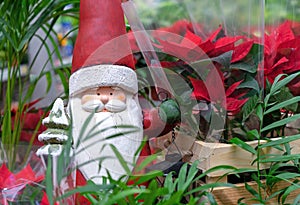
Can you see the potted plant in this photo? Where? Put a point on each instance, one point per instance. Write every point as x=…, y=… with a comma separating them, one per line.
x=21, y=22
x=259, y=80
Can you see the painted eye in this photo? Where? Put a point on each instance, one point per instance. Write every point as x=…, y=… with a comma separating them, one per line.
x=111, y=93
x=98, y=93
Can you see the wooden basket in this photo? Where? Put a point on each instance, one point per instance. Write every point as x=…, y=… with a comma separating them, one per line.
x=215, y=154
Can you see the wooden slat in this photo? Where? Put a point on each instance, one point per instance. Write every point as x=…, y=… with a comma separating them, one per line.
x=215, y=154
x=227, y=195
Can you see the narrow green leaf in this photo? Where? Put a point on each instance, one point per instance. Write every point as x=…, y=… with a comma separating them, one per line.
x=280, y=83
x=174, y=199
x=243, y=145
x=297, y=199
x=281, y=122
x=287, y=175
x=182, y=177
x=288, y=191
x=283, y=104
x=125, y=193
x=251, y=190
x=249, y=107
x=5, y=33
x=63, y=79
x=253, y=134
x=89, y=188
x=259, y=112
x=169, y=183
x=145, y=162
x=49, y=185
x=209, y=186
x=281, y=158
x=49, y=81
x=281, y=141
x=83, y=128
x=138, y=151
x=121, y=159
x=273, y=86
x=146, y=177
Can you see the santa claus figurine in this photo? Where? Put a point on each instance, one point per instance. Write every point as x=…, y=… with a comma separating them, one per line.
x=103, y=91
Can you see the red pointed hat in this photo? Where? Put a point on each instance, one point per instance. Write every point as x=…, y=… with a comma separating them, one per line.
x=102, y=54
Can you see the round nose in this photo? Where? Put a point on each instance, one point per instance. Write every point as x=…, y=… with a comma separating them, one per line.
x=104, y=99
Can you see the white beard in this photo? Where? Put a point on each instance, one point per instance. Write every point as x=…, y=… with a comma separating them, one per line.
x=96, y=146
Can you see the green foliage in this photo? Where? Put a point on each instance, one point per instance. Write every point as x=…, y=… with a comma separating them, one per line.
x=176, y=188
x=284, y=159
x=19, y=23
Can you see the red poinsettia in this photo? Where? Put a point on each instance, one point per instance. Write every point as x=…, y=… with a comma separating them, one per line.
x=231, y=99
x=180, y=41
x=12, y=184
x=191, y=47
x=282, y=51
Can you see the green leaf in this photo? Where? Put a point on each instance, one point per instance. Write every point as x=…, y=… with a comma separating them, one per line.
x=223, y=59
x=243, y=145
x=283, y=95
x=146, y=177
x=250, y=82
x=209, y=187
x=49, y=184
x=283, y=104
x=63, y=79
x=281, y=158
x=125, y=193
x=259, y=112
x=289, y=189
x=49, y=81
x=251, y=190
x=251, y=68
x=174, y=199
x=89, y=188
x=193, y=171
x=284, y=140
x=182, y=177
x=250, y=107
x=280, y=83
x=121, y=159
x=287, y=175
x=145, y=162
x=297, y=199
x=253, y=134
x=281, y=122
x=38, y=24
x=169, y=183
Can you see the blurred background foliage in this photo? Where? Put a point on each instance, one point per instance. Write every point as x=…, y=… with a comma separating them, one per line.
x=157, y=13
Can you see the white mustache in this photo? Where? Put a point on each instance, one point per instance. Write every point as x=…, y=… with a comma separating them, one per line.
x=97, y=106
x=93, y=106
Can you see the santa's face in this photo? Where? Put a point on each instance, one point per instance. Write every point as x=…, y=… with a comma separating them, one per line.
x=110, y=107
x=104, y=99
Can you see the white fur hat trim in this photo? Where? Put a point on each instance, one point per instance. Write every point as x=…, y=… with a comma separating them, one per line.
x=103, y=75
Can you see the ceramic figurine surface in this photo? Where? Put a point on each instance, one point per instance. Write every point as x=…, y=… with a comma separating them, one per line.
x=103, y=85
x=110, y=109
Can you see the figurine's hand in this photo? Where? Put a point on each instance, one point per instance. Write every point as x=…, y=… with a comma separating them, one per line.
x=161, y=120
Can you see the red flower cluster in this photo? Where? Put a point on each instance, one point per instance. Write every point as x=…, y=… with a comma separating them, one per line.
x=282, y=53
x=180, y=41
x=13, y=183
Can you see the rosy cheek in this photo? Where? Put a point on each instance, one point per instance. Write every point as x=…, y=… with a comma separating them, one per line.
x=87, y=98
x=122, y=98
